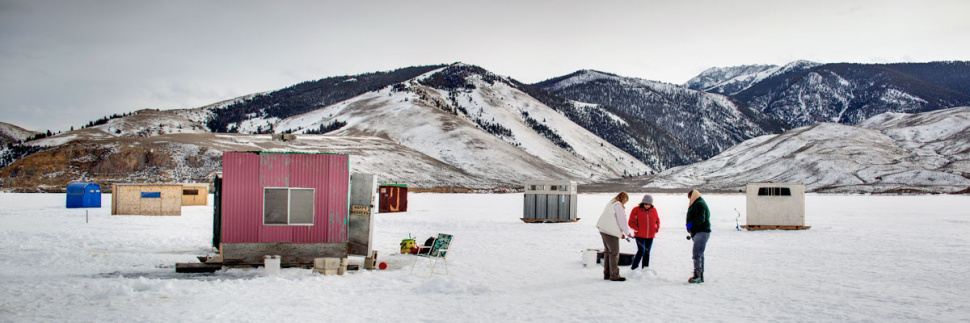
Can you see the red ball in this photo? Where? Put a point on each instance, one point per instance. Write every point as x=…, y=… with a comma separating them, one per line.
x=382, y=265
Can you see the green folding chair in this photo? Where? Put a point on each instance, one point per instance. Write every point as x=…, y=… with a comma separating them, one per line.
x=437, y=252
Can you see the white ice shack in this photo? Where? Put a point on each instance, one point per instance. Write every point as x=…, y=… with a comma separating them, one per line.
x=550, y=201
x=775, y=206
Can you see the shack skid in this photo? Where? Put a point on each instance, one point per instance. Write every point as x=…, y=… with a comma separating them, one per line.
x=776, y=227
x=211, y=267
x=547, y=220
x=207, y=264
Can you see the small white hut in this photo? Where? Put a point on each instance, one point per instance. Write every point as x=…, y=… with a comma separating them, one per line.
x=775, y=206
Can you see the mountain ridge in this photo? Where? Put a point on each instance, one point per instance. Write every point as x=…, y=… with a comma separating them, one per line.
x=890, y=153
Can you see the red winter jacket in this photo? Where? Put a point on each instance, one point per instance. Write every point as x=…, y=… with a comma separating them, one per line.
x=644, y=224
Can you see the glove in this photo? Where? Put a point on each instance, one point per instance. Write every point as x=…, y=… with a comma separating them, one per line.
x=688, y=226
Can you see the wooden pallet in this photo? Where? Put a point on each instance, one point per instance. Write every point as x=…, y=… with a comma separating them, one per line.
x=546, y=220
x=776, y=227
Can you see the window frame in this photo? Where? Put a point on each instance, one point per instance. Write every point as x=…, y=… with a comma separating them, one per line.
x=289, y=206
x=774, y=191
x=151, y=195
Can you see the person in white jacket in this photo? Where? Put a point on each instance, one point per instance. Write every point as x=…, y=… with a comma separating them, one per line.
x=613, y=226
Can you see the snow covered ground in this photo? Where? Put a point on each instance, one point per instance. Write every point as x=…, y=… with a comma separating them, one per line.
x=866, y=258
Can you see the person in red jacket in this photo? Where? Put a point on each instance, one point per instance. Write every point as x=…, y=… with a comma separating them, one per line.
x=645, y=224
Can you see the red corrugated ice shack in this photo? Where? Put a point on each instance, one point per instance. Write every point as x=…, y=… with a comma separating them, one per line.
x=392, y=198
x=281, y=203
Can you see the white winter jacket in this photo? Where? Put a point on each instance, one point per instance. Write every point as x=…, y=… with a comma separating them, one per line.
x=613, y=220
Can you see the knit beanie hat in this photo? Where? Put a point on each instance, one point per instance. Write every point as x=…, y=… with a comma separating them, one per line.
x=647, y=199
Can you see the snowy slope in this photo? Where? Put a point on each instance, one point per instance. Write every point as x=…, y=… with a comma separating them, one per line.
x=195, y=157
x=478, y=128
x=865, y=259
x=731, y=80
x=482, y=129
x=10, y=133
x=850, y=93
x=928, y=152
x=203, y=114
x=142, y=123
x=705, y=123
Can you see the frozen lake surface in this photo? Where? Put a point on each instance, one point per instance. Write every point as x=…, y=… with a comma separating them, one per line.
x=866, y=258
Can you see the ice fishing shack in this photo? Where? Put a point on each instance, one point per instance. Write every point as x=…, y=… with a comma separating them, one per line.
x=295, y=205
x=195, y=194
x=775, y=206
x=392, y=198
x=550, y=201
x=146, y=199
x=83, y=195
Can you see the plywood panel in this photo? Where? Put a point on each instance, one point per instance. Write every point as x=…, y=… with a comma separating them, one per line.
x=128, y=199
x=200, y=196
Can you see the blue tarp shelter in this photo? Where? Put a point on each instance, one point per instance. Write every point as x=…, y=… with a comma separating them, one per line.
x=80, y=195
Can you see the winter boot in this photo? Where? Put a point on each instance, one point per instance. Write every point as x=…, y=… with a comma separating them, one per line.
x=698, y=277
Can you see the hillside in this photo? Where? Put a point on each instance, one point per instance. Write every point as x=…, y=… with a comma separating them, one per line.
x=194, y=157
x=460, y=125
x=850, y=93
x=731, y=80
x=476, y=121
x=892, y=152
x=11, y=134
x=688, y=125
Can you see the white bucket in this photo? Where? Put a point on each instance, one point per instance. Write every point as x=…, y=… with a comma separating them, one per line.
x=589, y=257
x=271, y=265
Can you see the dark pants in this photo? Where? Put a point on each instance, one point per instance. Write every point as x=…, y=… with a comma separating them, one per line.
x=611, y=256
x=700, y=243
x=643, y=252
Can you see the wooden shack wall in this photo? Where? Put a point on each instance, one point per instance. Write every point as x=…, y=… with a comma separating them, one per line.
x=200, y=199
x=127, y=200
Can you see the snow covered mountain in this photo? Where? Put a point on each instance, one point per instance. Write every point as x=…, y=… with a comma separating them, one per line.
x=10, y=134
x=477, y=121
x=805, y=93
x=892, y=152
x=482, y=127
x=691, y=125
x=193, y=157
x=731, y=80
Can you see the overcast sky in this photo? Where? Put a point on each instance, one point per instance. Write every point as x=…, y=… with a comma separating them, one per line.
x=64, y=63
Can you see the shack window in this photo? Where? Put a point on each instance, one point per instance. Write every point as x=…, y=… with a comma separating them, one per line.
x=774, y=191
x=288, y=206
x=190, y=192
x=151, y=195
x=537, y=187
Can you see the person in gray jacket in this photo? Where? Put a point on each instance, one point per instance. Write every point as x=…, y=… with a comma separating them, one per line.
x=613, y=227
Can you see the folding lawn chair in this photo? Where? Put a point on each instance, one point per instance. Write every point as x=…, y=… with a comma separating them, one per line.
x=437, y=252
